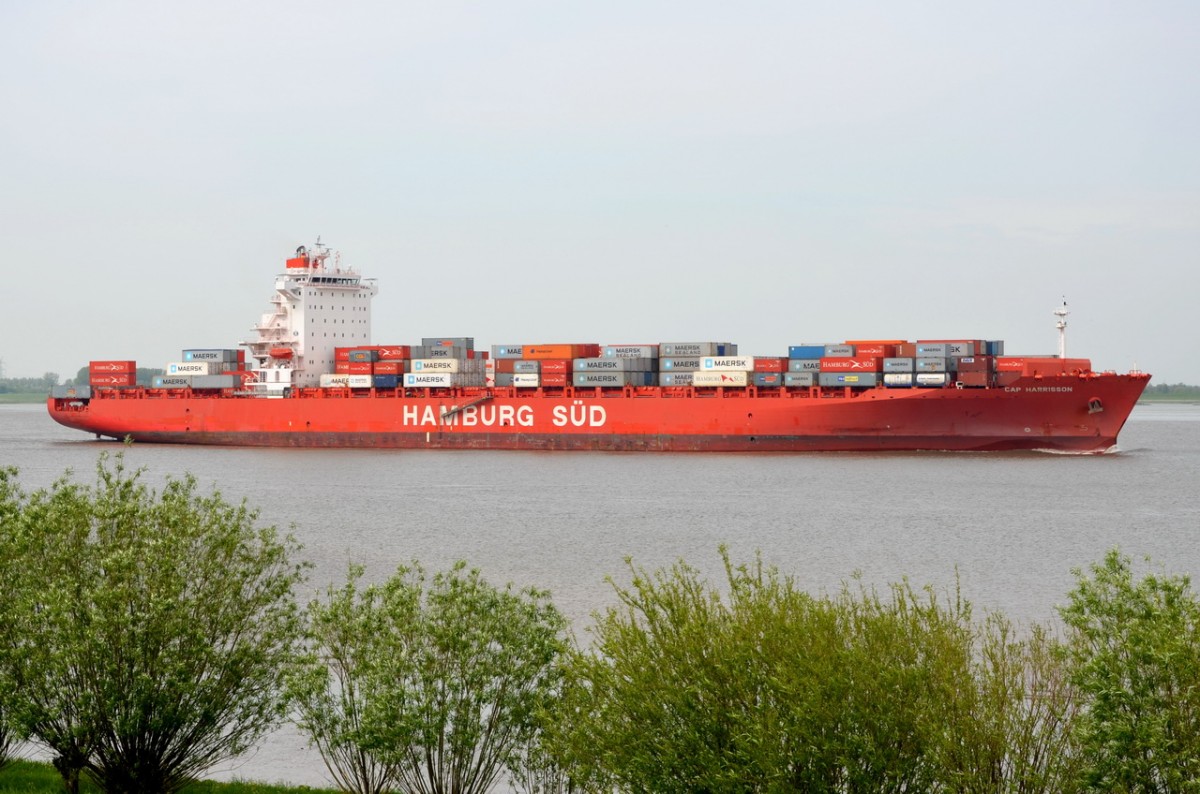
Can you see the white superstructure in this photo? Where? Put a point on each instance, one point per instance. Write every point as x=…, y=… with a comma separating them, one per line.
x=318, y=305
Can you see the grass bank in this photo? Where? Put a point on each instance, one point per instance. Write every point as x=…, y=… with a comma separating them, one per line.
x=7, y=398
x=28, y=777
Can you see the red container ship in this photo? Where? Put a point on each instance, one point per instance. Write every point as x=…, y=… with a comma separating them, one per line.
x=298, y=383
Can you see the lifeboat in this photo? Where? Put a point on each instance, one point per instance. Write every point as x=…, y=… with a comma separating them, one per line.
x=281, y=352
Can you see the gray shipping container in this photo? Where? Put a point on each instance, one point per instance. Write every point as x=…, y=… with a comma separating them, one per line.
x=508, y=351
x=615, y=364
x=615, y=378
x=215, y=381
x=630, y=351
x=932, y=349
x=676, y=363
x=690, y=349
x=172, y=381
x=855, y=380
x=898, y=365
x=801, y=379
x=527, y=367
x=676, y=378
x=71, y=392
x=804, y=364
x=839, y=351
x=434, y=351
x=931, y=364
x=465, y=342
x=504, y=378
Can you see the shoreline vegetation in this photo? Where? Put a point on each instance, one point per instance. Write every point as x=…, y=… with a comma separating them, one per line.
x=34, y=777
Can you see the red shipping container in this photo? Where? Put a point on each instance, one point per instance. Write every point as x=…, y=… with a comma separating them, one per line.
x=342, y=353
x=857, y=342
x=975, y=364
x=554, y=379
x=556, y=366
x=770, y=364
x=505, y=364
x=906, y=350
x=973, y=379
x=111, y=367
x=394, y=352
x=389, y=367
x=341, y=368
x=854, y=363
x=540, y=352
x=876, y=349
x=241, y=356
x=1010, y=364
x=1006, y=378
x=118, y=379
x=359, y=367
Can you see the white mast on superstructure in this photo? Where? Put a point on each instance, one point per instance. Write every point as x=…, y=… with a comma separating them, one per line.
x=1061, y=313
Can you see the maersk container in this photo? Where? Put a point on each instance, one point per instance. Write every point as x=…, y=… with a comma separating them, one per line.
x=216, y=382
x=436, y=351
x=857, y=380
x=898, y=365
x=508, y=351
x=214, y=354
x=678, y=363
x=614, y=378
x=172, y=381
x=464, y=342
x=387, y=381
x=838, y=351
x=334, y=381
x=802, y=379
x=676, y=378
x=364, y=354
x=804, y=364
x=525, y=366
x=696, y=349
x=932, y=379
x=614, y=364
x=360, y=381
x=440, y=380
x=193, y=367
x=931, y=364
x=931, y=349
x=806, y=351
x=960, y=349
x=446, y=365
x=630, y=351
x=727, y=364
x=720, y=377
x=898, y=380
x=768, y=378
x=524, y=380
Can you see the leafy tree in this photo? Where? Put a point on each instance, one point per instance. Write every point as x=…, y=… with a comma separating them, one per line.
x=329, y=685
x=435, y=683
x=148, y=631
x=1135, y=658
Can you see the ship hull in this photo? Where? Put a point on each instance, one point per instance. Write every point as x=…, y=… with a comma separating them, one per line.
x=1081, y=414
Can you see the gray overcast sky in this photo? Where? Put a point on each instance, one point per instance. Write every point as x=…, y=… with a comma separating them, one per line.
x=624, y=172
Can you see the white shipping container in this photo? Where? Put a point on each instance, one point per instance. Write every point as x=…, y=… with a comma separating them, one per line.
x=897, y=379
x=526, y=380
x=721, y=378
x=334, y=381
x=442, y=365
x=932, y=378
x=631, y=351
x=194, y=368
x=441, y=380
x=360, y=381
x=727, y=364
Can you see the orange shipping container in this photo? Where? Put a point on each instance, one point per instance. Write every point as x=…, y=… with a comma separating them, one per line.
x=562, y=351
x=876, y=349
